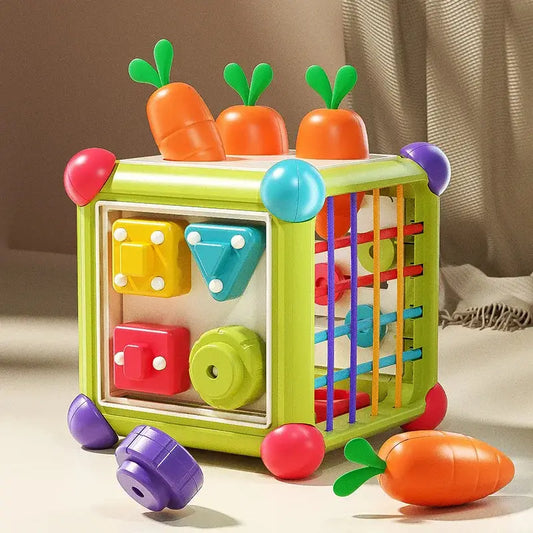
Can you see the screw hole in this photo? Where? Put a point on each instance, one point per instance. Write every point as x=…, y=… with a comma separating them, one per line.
x=138, y=492
x=212, y=371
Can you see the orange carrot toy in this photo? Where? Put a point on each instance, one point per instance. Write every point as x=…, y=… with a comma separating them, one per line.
x=333, y=133
x=431, y=468
x=250, y=129
x=181, y=123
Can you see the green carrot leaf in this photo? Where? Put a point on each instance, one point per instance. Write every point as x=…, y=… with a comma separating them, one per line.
x=163, y=55
x=344, y=82
x=351, y=481
x=360, y=451
x=261, y=79
x=142, y=72
x=236, y=79
x=318, y=80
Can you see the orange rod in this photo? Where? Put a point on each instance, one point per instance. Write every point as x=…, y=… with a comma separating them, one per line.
x=375, y=311
x=399, y=296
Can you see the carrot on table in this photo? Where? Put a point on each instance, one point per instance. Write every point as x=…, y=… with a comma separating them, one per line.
x=181, y=123
x=333, y=133
x=250, y=129
x=430, y=468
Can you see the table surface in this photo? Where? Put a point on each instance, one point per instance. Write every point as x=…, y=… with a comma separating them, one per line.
x=48, y=483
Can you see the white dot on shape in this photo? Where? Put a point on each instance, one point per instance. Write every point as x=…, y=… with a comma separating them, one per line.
x=121, y=280
x=159, y=363
x=157, y=237
x=194, y=238
x=119, y=358
x=120, y=234
x=157, y=283
x=216, y=286
x=238, y=242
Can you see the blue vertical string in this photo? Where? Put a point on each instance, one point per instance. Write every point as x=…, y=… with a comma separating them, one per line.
x=331, y=314
x=353, y=307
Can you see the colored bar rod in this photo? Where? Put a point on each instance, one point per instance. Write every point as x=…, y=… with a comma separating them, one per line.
x=353, y=307
x=376, y=291
x=400, y=215
x=365, y=324
x=386, y=233
x=368, y=279
x=363, y=368
x=331, y=313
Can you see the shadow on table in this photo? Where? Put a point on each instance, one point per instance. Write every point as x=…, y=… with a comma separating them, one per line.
x=193, y=516
x=490, y=507
x=333, y=465
x=229, y=461
x=38, y=323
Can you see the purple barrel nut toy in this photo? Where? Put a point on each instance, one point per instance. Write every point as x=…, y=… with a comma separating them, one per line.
x=88, y=426
x=156, y=471
x=434, y=162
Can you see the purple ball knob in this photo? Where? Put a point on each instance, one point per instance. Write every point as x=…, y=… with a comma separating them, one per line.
x=434, y=162
x=88, y=426
x=156, y=471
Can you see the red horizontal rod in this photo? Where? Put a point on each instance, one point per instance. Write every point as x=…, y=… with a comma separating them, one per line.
x=387, y=233
x=365, y=281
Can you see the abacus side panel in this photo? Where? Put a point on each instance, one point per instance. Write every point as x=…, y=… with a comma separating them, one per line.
x=422, y=290
x=293, y=322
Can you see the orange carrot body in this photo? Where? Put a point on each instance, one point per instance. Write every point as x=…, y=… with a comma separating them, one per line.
x=436, y=468
x=341, y=207
x=332, y=134
x=182, y=125
x=252, y=130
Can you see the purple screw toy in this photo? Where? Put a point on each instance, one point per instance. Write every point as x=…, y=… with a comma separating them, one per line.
x=156, y=471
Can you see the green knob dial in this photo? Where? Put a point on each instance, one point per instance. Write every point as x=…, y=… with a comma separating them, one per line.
x=227, y=367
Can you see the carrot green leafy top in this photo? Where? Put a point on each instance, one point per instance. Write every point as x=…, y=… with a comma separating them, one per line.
x=236, y=79
x=358, y=451
x=142, y=72
x=345, y=81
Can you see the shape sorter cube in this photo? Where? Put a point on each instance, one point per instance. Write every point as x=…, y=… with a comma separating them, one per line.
x=151, y=358
x=150, y=258
x=307, y=346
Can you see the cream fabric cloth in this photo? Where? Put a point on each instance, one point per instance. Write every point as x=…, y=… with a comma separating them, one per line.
x=470, y=298
x=458, y=74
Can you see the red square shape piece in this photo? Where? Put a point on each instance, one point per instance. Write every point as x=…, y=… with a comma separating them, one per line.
x=151, y=358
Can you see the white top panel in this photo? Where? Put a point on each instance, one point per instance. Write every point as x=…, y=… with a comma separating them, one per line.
x=258, y=163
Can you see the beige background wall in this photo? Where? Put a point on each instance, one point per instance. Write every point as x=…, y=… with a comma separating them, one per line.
x=64, y=84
